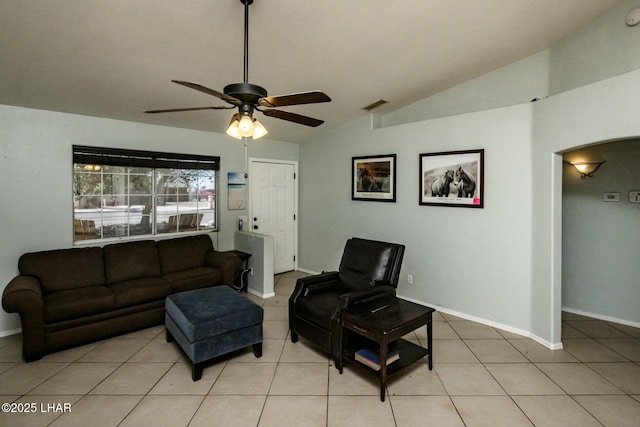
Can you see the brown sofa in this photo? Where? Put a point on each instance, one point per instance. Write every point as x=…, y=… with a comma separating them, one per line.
x=67, y=297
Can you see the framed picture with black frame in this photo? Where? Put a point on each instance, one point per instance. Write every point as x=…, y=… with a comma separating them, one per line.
x=373, y=178
x=453, y=178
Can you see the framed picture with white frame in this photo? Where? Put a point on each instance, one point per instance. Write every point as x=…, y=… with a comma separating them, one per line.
x=454, y=178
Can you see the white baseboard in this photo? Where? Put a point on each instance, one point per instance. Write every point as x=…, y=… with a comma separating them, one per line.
x=602, y=317
x=10, y=332
x=506, y=328
x=313, y=273
x=261, y=295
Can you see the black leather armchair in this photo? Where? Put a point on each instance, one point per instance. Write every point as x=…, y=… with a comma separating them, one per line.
x=369, y=272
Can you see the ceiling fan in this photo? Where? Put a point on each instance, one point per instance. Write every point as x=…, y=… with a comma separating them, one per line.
x=248, y=97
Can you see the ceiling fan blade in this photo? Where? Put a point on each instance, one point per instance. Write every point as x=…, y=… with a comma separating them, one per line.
x=173, y=110
x=209, y=91
x=312, y=97
x=292, y=117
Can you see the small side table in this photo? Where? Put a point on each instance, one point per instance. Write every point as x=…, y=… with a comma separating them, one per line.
x=382, y=326
x=240, y=281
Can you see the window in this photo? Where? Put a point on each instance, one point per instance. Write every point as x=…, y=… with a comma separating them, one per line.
x=122, y=193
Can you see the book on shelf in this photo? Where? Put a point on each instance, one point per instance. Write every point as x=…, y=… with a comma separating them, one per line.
x=371, y=358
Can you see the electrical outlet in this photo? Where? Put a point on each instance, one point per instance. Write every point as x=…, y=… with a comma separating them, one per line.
x=251, y=271
x=410, y=279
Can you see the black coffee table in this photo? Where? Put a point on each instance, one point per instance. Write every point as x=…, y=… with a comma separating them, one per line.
x=384, y=325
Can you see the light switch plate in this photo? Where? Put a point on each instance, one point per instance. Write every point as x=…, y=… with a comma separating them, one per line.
x=634, y=196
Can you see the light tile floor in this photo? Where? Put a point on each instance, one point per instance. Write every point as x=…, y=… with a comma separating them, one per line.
x=482, y=376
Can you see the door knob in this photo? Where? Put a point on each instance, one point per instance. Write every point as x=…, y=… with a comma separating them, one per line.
x=255, y=227
x=255, y=219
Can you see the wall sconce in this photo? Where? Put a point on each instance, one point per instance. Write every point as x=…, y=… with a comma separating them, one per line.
x=586, y=168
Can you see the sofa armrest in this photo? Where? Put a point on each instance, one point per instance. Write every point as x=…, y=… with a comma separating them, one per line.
x=228, y=263
x=23, y=295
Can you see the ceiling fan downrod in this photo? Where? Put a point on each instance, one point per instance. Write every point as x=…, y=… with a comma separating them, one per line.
x=246, y=92
x=246, y=4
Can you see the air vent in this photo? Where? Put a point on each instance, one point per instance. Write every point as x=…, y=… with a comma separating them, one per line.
x=375, y=105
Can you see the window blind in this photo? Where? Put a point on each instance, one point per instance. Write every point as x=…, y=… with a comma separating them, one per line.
x=136, y=158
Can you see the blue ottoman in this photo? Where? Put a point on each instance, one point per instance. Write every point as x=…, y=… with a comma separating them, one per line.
x=210, y=322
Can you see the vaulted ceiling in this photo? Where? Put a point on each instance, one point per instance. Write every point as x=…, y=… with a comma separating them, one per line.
x=116, y=58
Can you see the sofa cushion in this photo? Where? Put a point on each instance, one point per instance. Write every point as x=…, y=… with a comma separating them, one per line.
x=131, y=260
x=195, y=278
x=184, y=253
x=74, y=303
x=63, y=269
x=139, y=291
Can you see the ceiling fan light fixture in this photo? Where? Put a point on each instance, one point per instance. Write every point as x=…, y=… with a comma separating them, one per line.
x=234, y=129
x=258, y=129
x=246, y=126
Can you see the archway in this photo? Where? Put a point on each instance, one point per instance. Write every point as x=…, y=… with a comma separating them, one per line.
x=600, y=233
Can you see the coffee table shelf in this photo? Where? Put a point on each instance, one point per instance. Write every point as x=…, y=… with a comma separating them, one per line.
x=409, y=354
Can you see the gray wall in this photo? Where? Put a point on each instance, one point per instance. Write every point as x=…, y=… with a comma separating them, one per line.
x=472, y=261
x=36, y=204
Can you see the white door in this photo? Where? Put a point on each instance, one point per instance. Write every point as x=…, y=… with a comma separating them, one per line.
x=272, y=187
